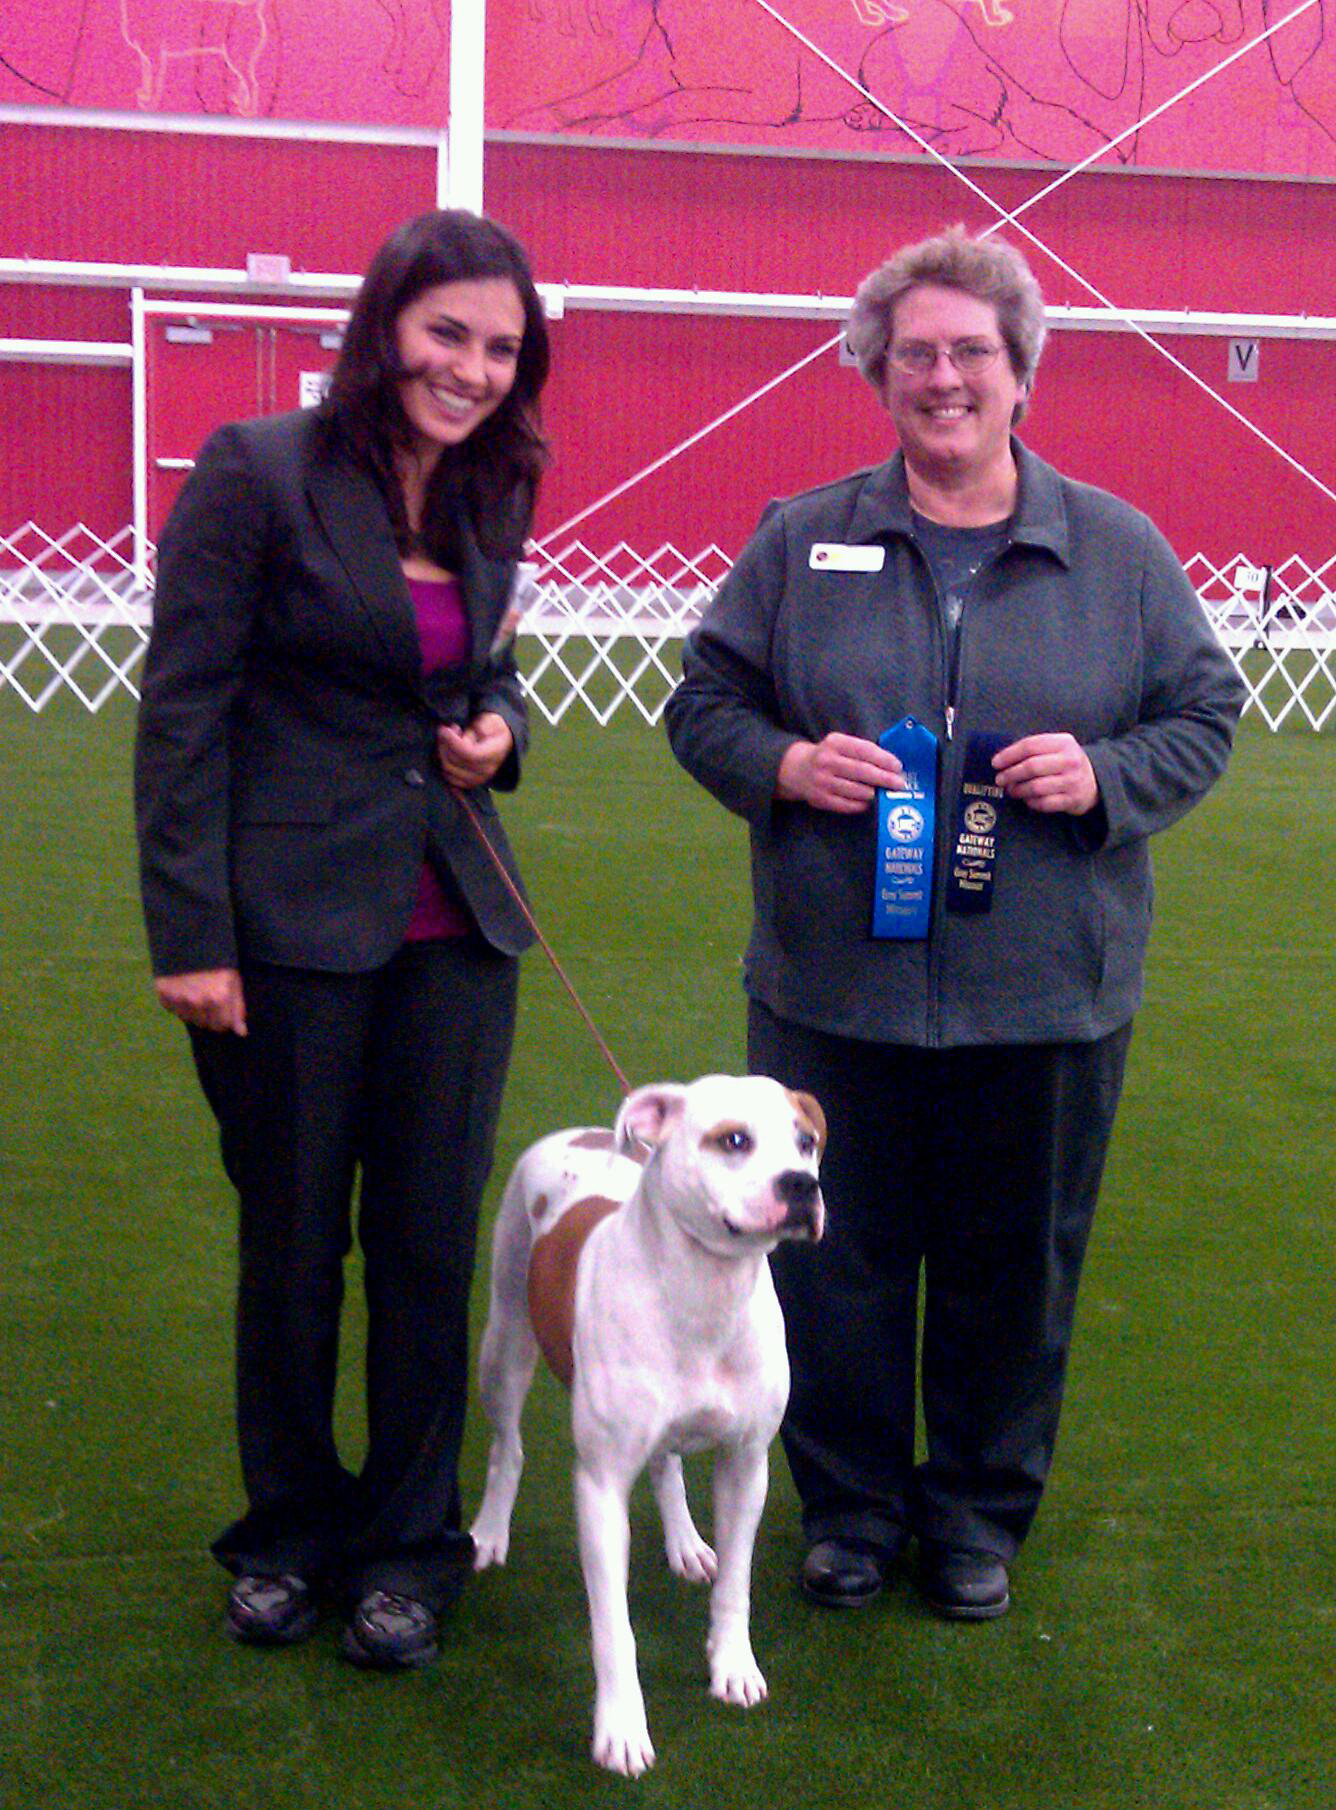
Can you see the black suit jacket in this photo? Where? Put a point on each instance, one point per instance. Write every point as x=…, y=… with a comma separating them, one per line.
x=286, y=779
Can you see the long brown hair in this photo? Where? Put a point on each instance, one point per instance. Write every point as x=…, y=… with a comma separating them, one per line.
x=491, y=478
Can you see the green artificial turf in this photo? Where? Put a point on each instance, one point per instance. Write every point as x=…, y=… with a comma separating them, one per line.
x=1171, y=1640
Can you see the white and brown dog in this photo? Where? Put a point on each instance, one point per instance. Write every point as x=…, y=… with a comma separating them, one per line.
x=644, y=1280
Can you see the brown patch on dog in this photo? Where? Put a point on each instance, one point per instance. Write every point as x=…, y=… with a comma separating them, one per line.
x=604, y=1140
x=811, y=1115
x=540, y=1206
x=552, y=1265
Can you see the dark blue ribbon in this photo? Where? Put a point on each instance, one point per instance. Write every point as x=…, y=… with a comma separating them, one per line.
x=976, y=828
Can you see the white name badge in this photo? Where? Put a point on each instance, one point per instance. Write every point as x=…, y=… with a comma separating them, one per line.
x=836, y=556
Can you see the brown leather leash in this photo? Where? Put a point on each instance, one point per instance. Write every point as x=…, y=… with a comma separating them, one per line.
x=546, y=947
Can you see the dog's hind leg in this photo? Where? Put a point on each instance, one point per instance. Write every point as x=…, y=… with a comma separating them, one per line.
x=505, y=1371
x=689, y=1555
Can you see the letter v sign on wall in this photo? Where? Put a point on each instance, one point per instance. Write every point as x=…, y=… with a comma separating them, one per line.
x=1243, y=360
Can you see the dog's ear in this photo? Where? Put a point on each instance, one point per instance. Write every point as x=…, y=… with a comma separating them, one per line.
x=647, y=1113
x=809, y=1110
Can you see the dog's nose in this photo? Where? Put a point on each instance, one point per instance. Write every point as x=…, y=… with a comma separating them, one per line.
x=803, y=1210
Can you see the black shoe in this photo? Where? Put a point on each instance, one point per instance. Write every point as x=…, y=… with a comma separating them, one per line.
x=270, y=1611
x=843, y=1575
x=390, y=1632
x=963, y=1585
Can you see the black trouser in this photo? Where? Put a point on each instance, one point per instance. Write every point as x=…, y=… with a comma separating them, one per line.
x=398, y=1072
x=980, y=1167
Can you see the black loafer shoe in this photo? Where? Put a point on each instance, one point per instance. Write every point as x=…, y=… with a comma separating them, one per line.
x=962, y=1585
x=840, y=1575
x=390, y=1633
x=270, y=1611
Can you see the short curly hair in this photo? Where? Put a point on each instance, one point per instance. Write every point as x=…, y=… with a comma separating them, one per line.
x=989, y=269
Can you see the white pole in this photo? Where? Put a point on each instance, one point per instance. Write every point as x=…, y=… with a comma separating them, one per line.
x=443, y=167
x=65, y=352
x=139, y=435
x=468, y=62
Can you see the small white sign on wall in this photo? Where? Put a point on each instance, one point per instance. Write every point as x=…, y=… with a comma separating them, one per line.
x=1243, y=359
x=312, y=387
x=268, y=267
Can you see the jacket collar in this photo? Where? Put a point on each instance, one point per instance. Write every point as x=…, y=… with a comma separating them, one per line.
x=485, y=584
x=1040, y=518
x=352, y=513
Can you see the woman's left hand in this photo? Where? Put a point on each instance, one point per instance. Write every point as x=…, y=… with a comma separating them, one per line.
x=470, y=756
x=1048, y=773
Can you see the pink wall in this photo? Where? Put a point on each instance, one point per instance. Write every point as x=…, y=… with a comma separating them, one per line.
x=159, y=198
x=1046, y=80
x=64, y=448
x=386, y=64
x=1051, y=80
x=187, y=198
x=1108, y=409
x=686, y=219
x=628, y=387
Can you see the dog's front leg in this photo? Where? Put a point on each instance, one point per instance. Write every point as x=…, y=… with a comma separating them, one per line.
x=621, y=1733
x=689, y=1555
x=741, y=1476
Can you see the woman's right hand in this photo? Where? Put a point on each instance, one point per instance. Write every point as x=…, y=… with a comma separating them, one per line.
x=838, y=773
x=211, y=998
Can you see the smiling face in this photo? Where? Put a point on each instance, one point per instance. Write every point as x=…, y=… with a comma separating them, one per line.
x=460, y=344
x=952, y=427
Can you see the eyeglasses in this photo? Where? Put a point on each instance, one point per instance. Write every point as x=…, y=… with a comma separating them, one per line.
x=969, y=356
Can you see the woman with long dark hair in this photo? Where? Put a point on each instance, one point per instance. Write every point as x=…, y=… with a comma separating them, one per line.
x=329, y=678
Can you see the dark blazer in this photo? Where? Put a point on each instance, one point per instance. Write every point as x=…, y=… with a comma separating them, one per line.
x=286, y=780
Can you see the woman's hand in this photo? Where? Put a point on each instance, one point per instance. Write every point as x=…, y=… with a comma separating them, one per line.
x=1049, y=773
x=838, y=773
x=469, y=757
x=211, y=998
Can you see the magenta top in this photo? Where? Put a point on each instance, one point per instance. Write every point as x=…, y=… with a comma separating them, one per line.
x=443, y=635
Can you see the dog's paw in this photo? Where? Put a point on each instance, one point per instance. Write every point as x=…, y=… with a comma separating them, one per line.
x=491, y=1545
x=735, y=1676
x=691, y=1557
x=621, y=1742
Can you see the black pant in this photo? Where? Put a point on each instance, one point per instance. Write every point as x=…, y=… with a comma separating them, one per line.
x=398, y=1073
x=978, y=1166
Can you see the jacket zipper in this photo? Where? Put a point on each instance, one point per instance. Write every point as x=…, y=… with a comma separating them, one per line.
x=932, y=1026
x=952, y=675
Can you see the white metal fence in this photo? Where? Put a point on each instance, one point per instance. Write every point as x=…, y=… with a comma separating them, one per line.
x=601, y=629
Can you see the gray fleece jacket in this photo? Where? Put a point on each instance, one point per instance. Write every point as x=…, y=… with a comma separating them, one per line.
x=1085, y=622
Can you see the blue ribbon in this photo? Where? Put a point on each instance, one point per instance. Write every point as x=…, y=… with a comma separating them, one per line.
x=902, y=887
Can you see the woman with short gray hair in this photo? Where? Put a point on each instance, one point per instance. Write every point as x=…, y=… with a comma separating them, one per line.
x=988, y=269
x=953, y=696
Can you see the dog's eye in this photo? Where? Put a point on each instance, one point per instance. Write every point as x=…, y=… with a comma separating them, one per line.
x=806, y=1143
x=736, y=1141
